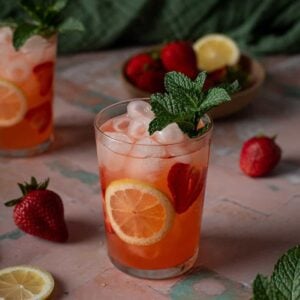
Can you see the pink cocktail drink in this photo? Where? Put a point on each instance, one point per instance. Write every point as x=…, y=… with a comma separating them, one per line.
x=152, y=190
x=26, y=94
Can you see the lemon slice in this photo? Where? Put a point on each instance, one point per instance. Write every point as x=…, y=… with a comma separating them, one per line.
x=214, y=51
x=25, y=282
x=13, y=104
x=139, y=213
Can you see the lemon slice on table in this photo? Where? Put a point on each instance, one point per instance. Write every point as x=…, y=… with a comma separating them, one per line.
x=214, y=51
x=139, y=213
x=25, y=282
x=13, y=104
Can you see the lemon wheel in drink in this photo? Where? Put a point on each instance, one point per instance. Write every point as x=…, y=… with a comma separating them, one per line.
x=139, y=213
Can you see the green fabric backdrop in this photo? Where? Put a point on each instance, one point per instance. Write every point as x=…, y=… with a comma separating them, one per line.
x=259, y=26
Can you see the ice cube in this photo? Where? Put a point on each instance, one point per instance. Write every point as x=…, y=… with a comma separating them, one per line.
x=148, y=147
x=179, y=152
x=117, y=141
x=121, y=123
x=17, y=69
x=145, y=169
x=36, y=50
x=140, y=110
x=6, y=34
x=171, y=134
x=137, y=129
x=111, y=160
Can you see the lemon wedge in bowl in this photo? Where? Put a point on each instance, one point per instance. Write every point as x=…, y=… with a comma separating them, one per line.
x=215, y=51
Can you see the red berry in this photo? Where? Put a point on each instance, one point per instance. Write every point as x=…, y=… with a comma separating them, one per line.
x=139, y=64
x=40, y=212
x=217, y=76
x=179, y=56
x=208, y=84
x=40, y=117
x=45, y=74
x=151, y=81
x=259, y=156
x=185, y=183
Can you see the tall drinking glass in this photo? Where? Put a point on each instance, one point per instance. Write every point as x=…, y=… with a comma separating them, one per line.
x=26, y=94
x=152, y=190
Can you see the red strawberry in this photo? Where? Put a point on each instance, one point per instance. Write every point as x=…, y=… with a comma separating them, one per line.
x=259, y=156
x=151, y=81
x=138, y=64
x=40, y=117
x=185, y=183
x=179, y=56
x=217, y=76
x=208, y=84
x=40, y=212
x=45, y=73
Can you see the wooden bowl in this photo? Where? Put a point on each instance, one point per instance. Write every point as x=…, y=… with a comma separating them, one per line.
x=239, y=100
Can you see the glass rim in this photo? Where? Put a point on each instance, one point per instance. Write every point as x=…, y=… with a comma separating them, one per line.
x=111, y=106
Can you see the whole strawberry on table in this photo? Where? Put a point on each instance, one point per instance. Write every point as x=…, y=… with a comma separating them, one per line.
x=40, y=211
x=216, y=54
x=259, y=156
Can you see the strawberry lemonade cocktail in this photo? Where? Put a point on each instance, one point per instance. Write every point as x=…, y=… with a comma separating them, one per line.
x=26, y=94
x=153, y=190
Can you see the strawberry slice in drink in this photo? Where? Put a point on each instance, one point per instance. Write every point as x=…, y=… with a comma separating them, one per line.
x=44, y=73
x=40, y=117
x=185, y=182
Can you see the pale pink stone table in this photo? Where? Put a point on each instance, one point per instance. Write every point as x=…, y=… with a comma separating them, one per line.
x=248, y=223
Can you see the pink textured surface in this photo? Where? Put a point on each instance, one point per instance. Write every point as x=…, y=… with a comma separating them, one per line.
x=248, y=223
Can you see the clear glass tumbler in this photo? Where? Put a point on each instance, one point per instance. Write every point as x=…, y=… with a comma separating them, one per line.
x=152, y=195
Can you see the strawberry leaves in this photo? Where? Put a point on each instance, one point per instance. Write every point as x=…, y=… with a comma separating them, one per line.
x=28, y=187
x=185, y=102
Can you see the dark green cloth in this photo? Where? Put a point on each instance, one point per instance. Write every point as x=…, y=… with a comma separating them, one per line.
x=259, y=26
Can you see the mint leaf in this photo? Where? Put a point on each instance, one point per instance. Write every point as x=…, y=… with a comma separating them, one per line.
x=264, y=289
x=231, y=88
x=22, y=33
x=159, y=123
x=183, y=89
x=215, y=97
x=286, y=275
x=200, y=80
x=187, y=127
x=284, y=283
x=43, y=17
x=70, y=24
x=58, y=5
x=32, y=9
x=166, y=104
x=185, y=103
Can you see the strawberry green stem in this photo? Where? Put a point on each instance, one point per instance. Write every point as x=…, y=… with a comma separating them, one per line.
x=13, y=202
x=26, y=188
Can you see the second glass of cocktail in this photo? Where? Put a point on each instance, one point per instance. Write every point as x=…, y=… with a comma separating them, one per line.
x=152, y=190
x=26, y=94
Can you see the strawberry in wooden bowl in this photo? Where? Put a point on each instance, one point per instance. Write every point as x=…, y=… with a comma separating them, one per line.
x=216, y=54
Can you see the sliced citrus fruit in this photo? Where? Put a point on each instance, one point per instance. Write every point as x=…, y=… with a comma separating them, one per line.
x=13, y=104
x=214, y=51
x=25, y=282
x=139, y=213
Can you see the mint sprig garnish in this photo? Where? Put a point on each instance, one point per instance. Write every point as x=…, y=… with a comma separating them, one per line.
x=284, y=283
x=42, y=17
x=185, y=102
